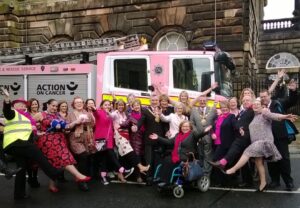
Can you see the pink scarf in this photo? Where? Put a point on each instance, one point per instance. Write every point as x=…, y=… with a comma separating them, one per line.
x=137, y=116
x=179, y=138
x=219, y=122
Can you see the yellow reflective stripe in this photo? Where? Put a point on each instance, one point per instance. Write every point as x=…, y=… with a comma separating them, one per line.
x=209, y=103
x=144, y=100
x=17, y=122
x=17, y=130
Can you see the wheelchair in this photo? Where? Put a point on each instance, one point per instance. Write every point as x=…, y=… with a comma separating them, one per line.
x=177, y=182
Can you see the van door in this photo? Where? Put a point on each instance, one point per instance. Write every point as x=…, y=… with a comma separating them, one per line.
x=125, y=75
x=59, y=87
x=186, y=71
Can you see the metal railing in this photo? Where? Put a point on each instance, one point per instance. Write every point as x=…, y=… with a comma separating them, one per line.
x=277, y=24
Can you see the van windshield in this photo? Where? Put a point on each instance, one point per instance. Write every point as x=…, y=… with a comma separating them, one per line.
x=187, y=72
x=131, y=74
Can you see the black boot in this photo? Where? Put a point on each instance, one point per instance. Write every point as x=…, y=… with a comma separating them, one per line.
x=33, y=182
x=83, y=186
x=8, y=171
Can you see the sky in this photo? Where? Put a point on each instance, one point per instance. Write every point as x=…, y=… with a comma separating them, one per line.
x=277, y=9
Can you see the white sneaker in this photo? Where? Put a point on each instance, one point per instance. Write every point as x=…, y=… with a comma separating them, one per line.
x=127, y=173
x=104, y=181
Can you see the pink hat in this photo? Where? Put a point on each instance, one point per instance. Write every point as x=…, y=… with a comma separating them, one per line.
x=20, y=100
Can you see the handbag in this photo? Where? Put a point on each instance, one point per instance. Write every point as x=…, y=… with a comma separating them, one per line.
x=100, y=145
x=191, y=170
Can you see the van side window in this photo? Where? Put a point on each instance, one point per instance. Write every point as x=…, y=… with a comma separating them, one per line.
x=131, y=74
x=187, y=72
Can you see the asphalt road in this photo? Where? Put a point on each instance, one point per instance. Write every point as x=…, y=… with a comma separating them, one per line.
x=132, y=195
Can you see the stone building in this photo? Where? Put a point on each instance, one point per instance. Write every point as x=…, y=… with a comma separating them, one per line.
x=167, y=24
x=236, y=26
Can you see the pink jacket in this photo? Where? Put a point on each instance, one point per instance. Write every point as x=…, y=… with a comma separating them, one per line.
x=104, y=127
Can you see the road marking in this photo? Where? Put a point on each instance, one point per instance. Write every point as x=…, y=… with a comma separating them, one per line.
x=128, y=182
x=253, y=190
x=214, y=188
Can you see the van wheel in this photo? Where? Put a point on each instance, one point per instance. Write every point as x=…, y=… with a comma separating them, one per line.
x=178, y=192
x=203, y=183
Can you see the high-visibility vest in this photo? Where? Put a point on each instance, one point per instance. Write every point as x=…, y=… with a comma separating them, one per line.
x=18, y=128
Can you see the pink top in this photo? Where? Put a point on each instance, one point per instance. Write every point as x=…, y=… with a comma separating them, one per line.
x=219, y=122
x=103, y=127
x=118, y=118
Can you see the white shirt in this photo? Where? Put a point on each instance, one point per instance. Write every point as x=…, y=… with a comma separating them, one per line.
x=174, y=120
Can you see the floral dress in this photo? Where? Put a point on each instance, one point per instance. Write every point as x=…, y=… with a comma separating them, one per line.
x=81, y=137
x=262, y=140
x=53, y=143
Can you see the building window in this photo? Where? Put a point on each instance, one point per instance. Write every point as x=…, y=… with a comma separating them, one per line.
x=131, y=74
x=172, y=41
x=283, y=60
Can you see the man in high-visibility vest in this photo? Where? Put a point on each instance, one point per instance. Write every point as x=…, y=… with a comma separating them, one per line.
x=8, y=172
x=18, y=136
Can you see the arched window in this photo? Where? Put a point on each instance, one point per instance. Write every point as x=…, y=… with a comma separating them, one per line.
x=283, y=60
x=172, y=41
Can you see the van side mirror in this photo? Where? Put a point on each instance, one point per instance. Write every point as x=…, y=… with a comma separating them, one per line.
x=151, y=88
x=206, y=80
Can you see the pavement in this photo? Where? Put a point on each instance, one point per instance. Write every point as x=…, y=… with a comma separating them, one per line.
x=132, y=195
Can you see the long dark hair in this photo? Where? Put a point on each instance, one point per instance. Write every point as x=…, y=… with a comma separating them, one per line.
x=30, y=101
x=47, y=103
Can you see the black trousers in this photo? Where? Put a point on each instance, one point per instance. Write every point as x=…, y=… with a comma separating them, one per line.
x=219, y=152
x=235, y=152
x=152, y=157
x=130, y=160
x=83, y=163
x=236, y=149
x=282, y=167
x=23, y=151
x=106, y=159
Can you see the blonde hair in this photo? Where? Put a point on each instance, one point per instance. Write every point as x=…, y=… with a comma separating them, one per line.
x=177, y=105
x=243, y=91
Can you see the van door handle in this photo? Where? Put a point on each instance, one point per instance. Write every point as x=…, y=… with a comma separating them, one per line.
x=145, y=94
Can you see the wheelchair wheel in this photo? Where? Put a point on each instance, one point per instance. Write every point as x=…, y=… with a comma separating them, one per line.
x=203, y=183
x=178, y=192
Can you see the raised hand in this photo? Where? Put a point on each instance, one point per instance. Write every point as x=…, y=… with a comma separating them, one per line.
x=281, y=73
x=5, y=92
x=214, y=85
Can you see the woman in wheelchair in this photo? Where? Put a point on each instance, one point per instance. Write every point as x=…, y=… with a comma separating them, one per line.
x=183, y=143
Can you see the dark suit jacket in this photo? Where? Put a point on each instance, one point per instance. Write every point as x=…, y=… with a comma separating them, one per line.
x=228, y=131
x=280, y=106
x=151, y=126
x=243, y=121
